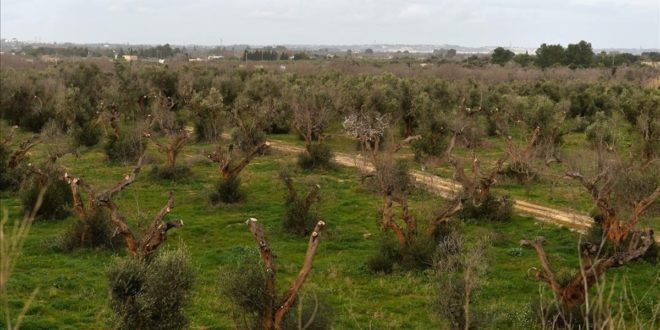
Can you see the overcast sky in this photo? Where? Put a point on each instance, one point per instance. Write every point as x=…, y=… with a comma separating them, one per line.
x=527, y=23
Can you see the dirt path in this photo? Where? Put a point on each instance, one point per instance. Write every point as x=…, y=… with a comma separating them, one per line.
x=447, y=188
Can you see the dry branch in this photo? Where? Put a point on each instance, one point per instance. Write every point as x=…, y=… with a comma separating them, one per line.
x=274, y=313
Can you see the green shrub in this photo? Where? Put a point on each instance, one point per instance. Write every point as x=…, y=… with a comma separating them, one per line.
x=492, y=208
x=299, y=216
x=385, y=257
x=228, y=191
x=94, y=231
x=520, y=171
x=418, y=252
x=247, y=140
x=125, y=149
x=415, y=255
x=88, y=135
x=308, y=312
x=318, y=155
x=243, y=282
x=434, y=140
x=153, y=294
x=459, y=269
x=173, y=173
x=10, y=179
x=56, y=201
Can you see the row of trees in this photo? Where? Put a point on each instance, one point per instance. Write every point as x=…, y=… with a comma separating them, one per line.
x=383, y=113
x=580, y=55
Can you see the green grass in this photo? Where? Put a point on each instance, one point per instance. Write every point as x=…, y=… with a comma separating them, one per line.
x=74, y=293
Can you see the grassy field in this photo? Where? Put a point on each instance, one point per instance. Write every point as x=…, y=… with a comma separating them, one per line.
x=73, y=291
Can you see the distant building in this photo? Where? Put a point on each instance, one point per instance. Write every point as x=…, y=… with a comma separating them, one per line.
x=215, y=57
x=130, y=58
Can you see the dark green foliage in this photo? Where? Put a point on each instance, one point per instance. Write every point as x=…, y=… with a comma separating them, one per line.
x=501, y=56
x=308, y=312
x=523, y=60
x=587, y=100
x=94, y=231
x=318, y=155
x=549, y=55
x=521, y=171
x=246, y=140
x=492, y=208
x=172, y=173
x=433, y=142
x=10, y=179
x=417, y=254
x=208, y=128
x=601, y=131
x=125, y=149
x=151, y=295
x=387, y=254
x=580, y=54
x=228, y=191
x=299, y=217
x=87, y=135
x=56, y=201
x=243, y=282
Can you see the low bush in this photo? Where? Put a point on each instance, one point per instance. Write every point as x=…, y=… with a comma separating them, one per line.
x=228, y=191
x=10, y=178
x=416, y=255
x=247, y=140
x=318, y=155
x=308, y=312
x=173, y=173
x=56, y=201
x=125, y=149
x=522, y=172
x=492, y=208
x=94, y=231
x=459, y=269
x=243, y=282
x=88, y=135
x=151, y=294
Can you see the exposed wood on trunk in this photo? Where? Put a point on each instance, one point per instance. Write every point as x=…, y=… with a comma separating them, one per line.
x=152, y=237
x=616, y=229
x=18, y=155
x=94, y=199
x=274, y=313
x=225, y=156
x=177, y=140
x=573, y=293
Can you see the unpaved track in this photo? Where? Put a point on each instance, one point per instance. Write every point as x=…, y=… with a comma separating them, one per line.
x=448, y=188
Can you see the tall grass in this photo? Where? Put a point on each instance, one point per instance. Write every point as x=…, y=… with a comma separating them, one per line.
x=11, y=245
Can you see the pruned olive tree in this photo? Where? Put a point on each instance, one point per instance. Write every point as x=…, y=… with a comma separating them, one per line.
x=149, y=289
x=299, y=217
x=619, y=243
x=312, y=109
x=12, y=159
x=275, y=310
x=231, y=162
x=93, y=226
x=394, y=183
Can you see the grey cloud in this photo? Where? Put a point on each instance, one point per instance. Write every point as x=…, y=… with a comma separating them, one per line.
x=606, y=23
